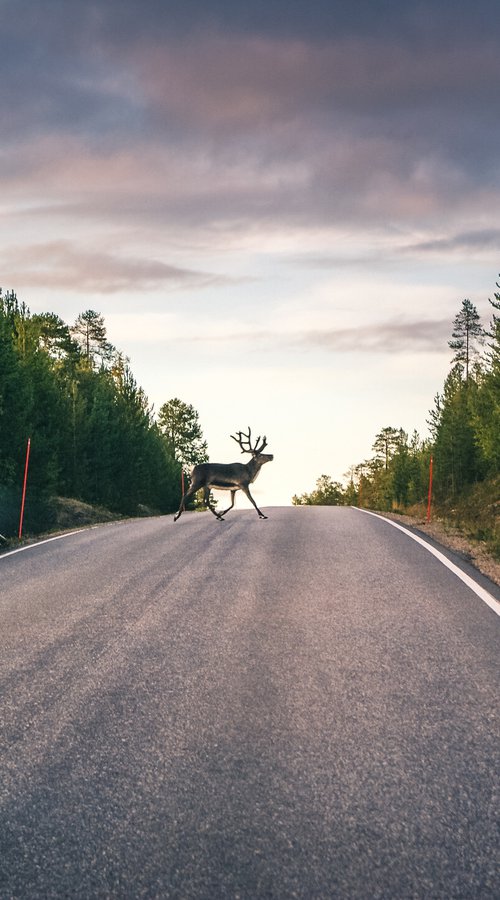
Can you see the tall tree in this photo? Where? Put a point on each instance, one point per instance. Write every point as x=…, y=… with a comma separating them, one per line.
x=487, y=398
x=467, y=334
x=494, y=332
x=387, y=442
x=14, y=401
x=180, y=425
x=89, y=331
x=486, y=418
x=54, y=336
x=456, y=454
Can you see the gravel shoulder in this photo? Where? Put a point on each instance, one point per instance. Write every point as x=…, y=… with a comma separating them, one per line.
x=474, y=552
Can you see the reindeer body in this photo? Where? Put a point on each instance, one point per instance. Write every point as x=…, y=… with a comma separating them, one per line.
x=224, y=477
x=228, y=476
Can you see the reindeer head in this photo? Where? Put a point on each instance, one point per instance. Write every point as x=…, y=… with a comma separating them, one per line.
x=245, y=442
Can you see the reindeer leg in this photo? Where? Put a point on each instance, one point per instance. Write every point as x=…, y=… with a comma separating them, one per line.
x=206, y=499
x=182, y=507
x=248, y=494
x=232, y=503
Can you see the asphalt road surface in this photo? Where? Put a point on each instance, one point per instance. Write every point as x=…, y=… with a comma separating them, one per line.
x=297, y=707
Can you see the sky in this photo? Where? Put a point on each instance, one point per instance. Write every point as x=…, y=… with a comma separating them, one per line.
x=278, y=206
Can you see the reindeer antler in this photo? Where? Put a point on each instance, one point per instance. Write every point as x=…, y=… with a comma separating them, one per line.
x=245, y=442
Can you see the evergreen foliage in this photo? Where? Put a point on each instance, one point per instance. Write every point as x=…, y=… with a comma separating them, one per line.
x=93, y=435
x=464, y=433
x=180, y=425
x=467, y=334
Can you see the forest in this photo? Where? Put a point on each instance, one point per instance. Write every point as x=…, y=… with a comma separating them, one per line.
x=93, y=435
x=463, y=442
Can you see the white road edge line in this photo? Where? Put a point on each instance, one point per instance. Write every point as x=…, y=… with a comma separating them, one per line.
x=480, y=591
x=58, y=537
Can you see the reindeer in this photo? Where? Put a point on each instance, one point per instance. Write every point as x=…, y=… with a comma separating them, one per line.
x=228, y=476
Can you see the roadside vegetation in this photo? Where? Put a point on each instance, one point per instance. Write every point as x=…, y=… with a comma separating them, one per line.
x=96, y=440
x=94, y=437
x=464, y=444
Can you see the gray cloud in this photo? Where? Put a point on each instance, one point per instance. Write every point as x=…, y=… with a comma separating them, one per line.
x=103, y=74
x=60, y=264
x=119, y=19
x=394, y=336
x=235, y=117
x=486, y=239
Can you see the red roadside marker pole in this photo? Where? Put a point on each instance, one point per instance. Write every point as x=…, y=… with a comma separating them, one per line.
x=24, y=487
x=429, y=498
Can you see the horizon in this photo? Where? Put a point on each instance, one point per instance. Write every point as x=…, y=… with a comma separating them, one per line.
x=278, y=211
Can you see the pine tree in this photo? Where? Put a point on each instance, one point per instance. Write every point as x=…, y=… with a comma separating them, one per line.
x=456, y=454
x=487, y=399
x=54, y=336
x=89, y=331
x=14, y=401
x=387, y=442
x=180, y=425
x=467, y=334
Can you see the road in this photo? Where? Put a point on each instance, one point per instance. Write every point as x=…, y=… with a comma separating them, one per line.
x=297, y=707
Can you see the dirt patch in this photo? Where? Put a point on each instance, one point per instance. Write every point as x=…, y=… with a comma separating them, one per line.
x=473, y=552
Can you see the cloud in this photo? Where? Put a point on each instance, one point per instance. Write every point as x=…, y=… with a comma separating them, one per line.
x=228, y=122
x=60, y=264
x=395, y=336
x=216, y=125
x=482, y=240
x=211, y=196
x=124, y=73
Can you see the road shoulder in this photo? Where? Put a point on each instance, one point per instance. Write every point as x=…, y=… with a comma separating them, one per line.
x=472, y=552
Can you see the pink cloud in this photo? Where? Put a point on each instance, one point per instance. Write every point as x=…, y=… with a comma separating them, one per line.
x=60, y=264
